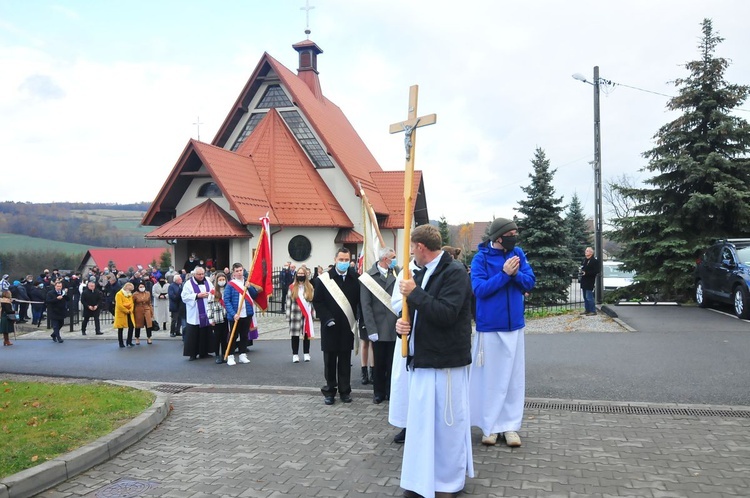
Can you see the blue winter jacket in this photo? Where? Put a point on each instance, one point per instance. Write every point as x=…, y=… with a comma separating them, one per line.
x=499, y=297
x=232, y=301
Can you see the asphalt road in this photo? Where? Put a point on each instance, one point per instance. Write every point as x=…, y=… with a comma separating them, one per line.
x=677, y=355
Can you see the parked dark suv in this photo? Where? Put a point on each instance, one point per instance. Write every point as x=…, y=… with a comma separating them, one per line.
x=722, y=274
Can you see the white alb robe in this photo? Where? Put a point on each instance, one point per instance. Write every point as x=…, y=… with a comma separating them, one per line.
x=497, y=382
x=438, y=425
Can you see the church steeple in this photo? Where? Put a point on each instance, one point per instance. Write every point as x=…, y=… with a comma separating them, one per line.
x=308, y=65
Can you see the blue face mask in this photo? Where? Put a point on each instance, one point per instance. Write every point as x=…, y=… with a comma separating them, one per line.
x=393, y=263
x=342, y=266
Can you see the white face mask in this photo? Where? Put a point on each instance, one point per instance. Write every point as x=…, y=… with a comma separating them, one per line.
x=222, y=283
x=141, y=289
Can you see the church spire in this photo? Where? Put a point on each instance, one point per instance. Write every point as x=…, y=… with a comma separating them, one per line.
x=308, y=65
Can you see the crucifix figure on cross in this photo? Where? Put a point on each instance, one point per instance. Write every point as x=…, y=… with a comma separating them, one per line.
x=409, y=127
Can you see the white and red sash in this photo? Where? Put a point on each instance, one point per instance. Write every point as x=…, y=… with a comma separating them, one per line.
x=306, y=310
x=240, y=290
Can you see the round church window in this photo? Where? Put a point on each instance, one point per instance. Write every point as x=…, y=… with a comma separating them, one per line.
x=300, y=248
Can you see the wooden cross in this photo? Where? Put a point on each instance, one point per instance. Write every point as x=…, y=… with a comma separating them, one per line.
x=409, y=127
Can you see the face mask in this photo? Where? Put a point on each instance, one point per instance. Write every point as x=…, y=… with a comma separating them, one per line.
x=342, y=266
x=222, y=283
x=141, y=289
x=300, y=278
x=393, y=263
x=509, y=242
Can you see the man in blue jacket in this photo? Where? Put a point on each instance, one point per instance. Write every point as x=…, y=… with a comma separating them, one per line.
x=500, y=276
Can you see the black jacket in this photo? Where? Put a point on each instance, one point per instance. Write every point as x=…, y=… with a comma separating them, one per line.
x=338, y=337
x=57, y=309
x=91, y=298
x=590, y=268
x=443, y=330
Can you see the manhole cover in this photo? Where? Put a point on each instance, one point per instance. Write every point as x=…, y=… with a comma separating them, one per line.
x=125, y=488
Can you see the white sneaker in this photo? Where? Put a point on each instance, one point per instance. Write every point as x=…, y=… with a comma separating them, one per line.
x=295, y=358
x=307, y=357
x=490, y=440
x=512, y=439
x=243, y=358
x=230, y=360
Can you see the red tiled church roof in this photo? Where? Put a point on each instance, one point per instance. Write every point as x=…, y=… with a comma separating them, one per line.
x=270, y=173
x=205, y=221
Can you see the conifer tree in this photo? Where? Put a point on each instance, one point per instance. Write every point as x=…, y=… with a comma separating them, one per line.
x=444, y=231
x=542, y=235
x=578, y=235
x=701, y=184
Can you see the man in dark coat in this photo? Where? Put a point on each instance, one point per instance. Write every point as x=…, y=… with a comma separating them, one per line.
x=379, y=319
x=174, y=292
x=590, y=268
x=286, y=277
x=336, y=300
x=91, y=299
x=57, y=310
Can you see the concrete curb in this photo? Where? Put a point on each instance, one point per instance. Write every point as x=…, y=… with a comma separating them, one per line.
x=37, y=479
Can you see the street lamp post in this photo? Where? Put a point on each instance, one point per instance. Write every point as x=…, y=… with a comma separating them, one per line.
x=598, y=249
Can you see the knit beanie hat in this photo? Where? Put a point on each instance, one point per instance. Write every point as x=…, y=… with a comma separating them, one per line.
x=499, y=226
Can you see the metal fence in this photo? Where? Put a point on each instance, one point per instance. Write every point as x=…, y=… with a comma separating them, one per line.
x=573, y=298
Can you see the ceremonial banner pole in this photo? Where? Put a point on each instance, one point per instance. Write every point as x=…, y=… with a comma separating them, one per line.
x=244, y=292
x=409, y=127
x=371, y=214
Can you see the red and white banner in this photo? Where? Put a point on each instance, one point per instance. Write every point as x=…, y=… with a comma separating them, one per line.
x=261, y=272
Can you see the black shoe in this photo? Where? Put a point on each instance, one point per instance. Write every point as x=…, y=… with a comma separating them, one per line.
x=219, y=359
x=60, y=340
x=400, y=437
x=346, y=398
x=100, y=333
x=203, y=356
x=83, y=332
x=365, y=377
x=377, y=399
x=329, y=400
x=130, y=344
x=178, y=334
x=192, y=358
x=172, y=335
x=54, y=339
x=122, y=345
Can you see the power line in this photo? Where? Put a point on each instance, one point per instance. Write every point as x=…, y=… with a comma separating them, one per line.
x=614, y=83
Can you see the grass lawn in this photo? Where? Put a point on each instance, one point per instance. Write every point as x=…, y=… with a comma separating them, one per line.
x=40, y=421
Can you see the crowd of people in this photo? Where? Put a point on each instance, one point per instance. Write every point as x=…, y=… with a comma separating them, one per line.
x=455, y=383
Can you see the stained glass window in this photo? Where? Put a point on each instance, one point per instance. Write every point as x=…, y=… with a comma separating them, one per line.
x=306, y=139
x=248, y=129
x=274, y=97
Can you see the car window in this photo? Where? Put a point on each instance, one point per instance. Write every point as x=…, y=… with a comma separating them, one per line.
x=743, y=254
x=712, y=255
x=616, y=271
x=726, y=255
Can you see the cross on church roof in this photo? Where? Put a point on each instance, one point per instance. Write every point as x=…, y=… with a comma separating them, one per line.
x=307, y=8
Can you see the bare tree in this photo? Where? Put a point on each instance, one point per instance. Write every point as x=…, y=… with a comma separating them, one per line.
x=618, y=205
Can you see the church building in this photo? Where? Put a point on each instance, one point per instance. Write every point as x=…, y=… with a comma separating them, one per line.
x=287, y=151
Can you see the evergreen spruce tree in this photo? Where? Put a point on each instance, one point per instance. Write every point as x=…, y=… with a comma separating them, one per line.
x=578, y=235
x=542, y=236
x=444, y=231
x=701, y=186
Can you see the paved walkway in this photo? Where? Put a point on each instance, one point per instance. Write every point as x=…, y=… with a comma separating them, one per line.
x=267, y=441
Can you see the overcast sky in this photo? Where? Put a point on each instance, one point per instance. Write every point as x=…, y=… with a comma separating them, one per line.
x=98, y=99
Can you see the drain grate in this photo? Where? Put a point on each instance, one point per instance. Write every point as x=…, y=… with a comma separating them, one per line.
x=172, y=388
x=635, y=410
x=125, y=488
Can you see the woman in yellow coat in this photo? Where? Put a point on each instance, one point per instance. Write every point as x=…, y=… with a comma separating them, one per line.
x=124, y=313
x=143, y=313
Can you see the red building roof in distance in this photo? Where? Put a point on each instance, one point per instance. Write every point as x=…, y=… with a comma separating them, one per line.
x=124, y=258
x=204, y=221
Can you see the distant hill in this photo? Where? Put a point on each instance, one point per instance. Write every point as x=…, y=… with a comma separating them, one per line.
x=10, y=242
x=89, y=224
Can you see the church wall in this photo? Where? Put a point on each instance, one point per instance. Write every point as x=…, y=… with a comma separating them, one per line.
x=321, y=241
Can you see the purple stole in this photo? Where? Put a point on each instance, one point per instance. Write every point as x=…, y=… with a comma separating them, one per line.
x=202, y=314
